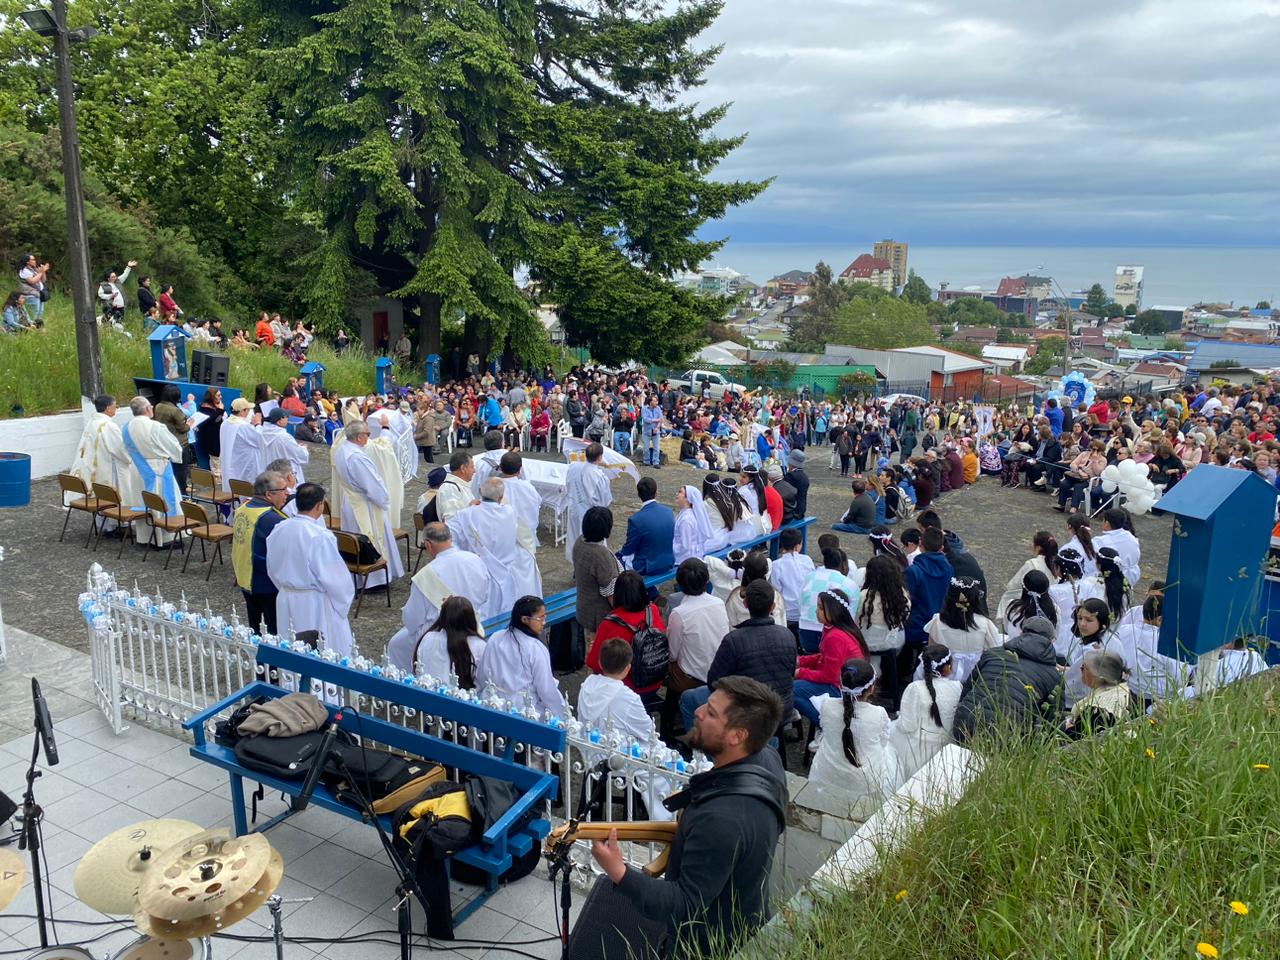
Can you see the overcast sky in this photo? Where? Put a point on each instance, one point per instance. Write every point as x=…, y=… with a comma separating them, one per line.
x=995, y=121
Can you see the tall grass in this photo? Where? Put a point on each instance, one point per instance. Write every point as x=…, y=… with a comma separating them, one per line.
x=39, y=370
x=1133, y=845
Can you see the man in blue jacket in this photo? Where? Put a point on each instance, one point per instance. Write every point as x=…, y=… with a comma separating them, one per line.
x=928, y=579
x=650, y=532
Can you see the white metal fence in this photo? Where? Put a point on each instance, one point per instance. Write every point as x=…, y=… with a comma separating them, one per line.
x=164, y=662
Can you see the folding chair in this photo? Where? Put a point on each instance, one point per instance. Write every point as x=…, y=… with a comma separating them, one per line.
x=214, y=534
x=157, y=508
x=241, y=490
x=349, y=547
x=418, y=526
x=330, y=520
x=81, y=500
x=110, y=508
x=205, y=490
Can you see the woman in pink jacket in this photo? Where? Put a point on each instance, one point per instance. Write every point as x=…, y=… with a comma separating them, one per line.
x=819, y=673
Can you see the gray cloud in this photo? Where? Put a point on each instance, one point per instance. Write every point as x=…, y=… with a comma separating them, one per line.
x=989, y=121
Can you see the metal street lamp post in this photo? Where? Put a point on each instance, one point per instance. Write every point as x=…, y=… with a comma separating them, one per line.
x=88, y=349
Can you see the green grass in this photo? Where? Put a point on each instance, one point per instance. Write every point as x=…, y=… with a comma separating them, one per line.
x=1095, y=851
x=39, y=371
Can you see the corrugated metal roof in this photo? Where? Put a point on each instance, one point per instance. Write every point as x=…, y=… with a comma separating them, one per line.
x=1208, y=352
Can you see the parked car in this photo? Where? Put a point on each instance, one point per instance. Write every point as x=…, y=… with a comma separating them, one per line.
x=715, y=384
x=890, y=399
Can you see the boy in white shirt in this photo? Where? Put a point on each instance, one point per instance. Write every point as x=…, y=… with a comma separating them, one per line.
x=605, y=699
x=790, y=572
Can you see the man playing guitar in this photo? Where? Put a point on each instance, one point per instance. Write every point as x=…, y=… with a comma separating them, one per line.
x=715, y=891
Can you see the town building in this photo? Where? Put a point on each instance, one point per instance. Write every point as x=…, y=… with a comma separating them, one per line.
x=1028, y=286
x=1008, y=357
x=896, y=254
x=717, y=281
x=1128, y=285
x=874, y=270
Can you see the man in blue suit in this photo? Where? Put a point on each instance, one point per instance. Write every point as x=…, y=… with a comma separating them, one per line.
x=650, y=532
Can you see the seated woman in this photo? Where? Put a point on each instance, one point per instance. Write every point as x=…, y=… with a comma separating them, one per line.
x=540, y=429
x=1034, y=601
x=928, y=710
x=960, y=628
x=452, y=645
x=1083, y=470
x=631, y=612
x=990, y=461
x=1108, y=701
x=854, y=757
x=819, y=673
x=518, y=663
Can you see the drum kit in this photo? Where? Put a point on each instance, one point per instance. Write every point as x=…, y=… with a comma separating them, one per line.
x=181, y=885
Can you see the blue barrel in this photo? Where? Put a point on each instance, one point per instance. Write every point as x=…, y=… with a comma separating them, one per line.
x=15, y=479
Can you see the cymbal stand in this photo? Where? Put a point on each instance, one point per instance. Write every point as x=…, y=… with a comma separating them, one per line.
x=274, y=904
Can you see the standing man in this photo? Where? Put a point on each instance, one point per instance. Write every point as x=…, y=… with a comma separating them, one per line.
x=153, y=451
x=651, y=432
x=304, y=564
x=243, y=457
x=715, y=891
x=101, y=456
x=277, y=443
x=110, y=294
x=520, y=493
x=487, y=463
x=455, y=492
x=587, y=484
x=493, y=531
x=251, y=525
x=449, y=573
x=366, y=500
x=651, y=530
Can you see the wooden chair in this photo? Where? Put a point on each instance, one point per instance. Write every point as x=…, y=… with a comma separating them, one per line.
x=81, y=500
x=330, y=520
x=349, y=547
x=214, y=534
x=241, y=490
x=399, y=533
x=158, y=518
x=110, y=508
x=205, y=490
x=418, y=526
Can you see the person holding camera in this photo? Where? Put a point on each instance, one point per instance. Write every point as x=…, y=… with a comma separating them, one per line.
x=111, y=296
x=32, y=284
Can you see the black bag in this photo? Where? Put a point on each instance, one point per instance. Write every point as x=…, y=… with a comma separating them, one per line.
x=368, y=552
x=424, y=835
x=568, y=646
x=44, y=294
x=490, y=799
x=650, y=651
x=286, y=758
x=373, y=773
x=227, y=732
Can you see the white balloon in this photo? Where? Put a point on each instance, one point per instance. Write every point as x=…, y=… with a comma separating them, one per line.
x=1112, y=472
x=1132, y=471
x=1108, y=484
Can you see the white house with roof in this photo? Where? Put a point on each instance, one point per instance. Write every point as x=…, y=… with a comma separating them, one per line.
x=1009, y=357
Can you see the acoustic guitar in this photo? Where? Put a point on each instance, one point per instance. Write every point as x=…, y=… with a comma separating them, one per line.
x=562, y=838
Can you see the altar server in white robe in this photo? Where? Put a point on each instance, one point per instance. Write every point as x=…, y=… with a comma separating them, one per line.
x=455, y=493
x=243, y=456
x=315, y=588
x=369, y=493
x=101, y=456
x=451, y=572
x=487, y=464
x=518, y=664
x=152, y=450
x=487, y=531
x=520, y=493
x=278, y=443
x=587, y=485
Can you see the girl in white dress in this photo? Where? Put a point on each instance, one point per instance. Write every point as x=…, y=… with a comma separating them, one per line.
x=1033, y=601
x=961, y=629
x=1091, y=631
x=451, y=645
x=1071, y=590
x=723, y=511
x=854, y=757
x=927, y=713
x=1082, y=542
x=693, y=526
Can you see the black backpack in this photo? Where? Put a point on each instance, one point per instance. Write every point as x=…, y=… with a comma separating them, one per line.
x=650, y=651
x=286, y=758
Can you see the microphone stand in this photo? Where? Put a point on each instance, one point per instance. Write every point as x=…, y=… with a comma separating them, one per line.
x=562, y=865
x=29, y=837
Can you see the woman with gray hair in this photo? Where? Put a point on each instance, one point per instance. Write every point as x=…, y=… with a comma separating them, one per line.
x=1108, y=701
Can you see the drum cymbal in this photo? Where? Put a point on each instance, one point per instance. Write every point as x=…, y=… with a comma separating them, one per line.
x=148, y=948
x=13, y=872
x=108, y=877
x=202, y=875
x=214, y=923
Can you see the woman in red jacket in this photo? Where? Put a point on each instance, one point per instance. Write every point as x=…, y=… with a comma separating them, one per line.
x=630, y=604
x=819, y=673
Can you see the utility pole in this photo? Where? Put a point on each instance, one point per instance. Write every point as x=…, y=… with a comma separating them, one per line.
x=88, y=348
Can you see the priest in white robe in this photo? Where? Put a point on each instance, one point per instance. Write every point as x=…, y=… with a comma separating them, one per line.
x=278, y=443
x=315, y=588
x=369, y=495
x=520, y=493
x=451, y=572
x=152, y=450
x=397, y=428
x=455, y=493
x=587, y=486
x=243, y=456
x=486, y=530
x=101, y=456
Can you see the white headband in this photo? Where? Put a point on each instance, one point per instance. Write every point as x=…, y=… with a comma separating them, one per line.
x=856, y=692
x=942, y=663
x=847, y=604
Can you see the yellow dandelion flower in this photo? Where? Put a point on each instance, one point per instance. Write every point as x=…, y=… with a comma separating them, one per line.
x=1029, y=688
x=900, y=896
x=1151, y=754
x=1207, y=950
x=1239, y=908
x=1262, y=766
x=1151, y=720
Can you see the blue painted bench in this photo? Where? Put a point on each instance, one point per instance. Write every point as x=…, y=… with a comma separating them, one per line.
x=493, y=853
x=564, y=605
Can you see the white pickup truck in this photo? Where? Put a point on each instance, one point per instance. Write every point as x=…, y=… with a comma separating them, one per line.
x=715, y=385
